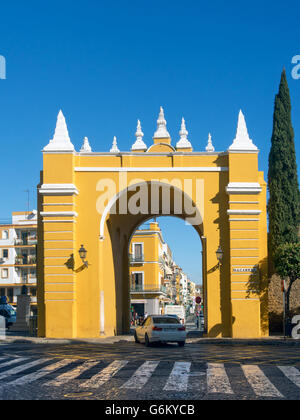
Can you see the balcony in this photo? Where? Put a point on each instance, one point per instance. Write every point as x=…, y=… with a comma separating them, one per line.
x=30, y=241
x=28, y=260
x=136, y=259
x=147, y=288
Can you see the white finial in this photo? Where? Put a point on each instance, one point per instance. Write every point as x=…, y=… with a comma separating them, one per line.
x=139, y=143
x=114, y=148
x=209, y=147
x=61, y=141
x=161, y=132
x=86, y=148
x=242, y=140
x=183, y=143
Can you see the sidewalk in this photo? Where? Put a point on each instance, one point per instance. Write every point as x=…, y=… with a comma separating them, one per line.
x=194, y=337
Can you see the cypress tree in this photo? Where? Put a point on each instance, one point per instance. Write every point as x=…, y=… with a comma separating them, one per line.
x=284, y=201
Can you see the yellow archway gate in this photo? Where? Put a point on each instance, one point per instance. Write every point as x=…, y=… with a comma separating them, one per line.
x=98, y=200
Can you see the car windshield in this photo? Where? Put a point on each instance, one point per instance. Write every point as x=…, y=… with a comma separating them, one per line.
x=165, y=320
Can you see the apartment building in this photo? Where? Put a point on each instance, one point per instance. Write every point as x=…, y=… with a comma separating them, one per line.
x=155, y=279
x=147, y=289
x=18, y=241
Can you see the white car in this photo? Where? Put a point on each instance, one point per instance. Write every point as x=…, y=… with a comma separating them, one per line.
x=160, y=328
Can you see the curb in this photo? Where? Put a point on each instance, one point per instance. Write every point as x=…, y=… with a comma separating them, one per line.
x=128, y=338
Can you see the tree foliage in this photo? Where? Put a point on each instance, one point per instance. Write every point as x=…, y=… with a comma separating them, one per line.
x=287, y=261
x=284, y=201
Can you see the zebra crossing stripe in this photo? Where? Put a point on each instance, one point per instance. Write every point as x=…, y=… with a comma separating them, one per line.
x=40, y=373
x=291, y=373
x=217, y=379
x=21, y=368
x=104, y=375
x=141, y=376
x=259, y=382
x=72, y=374
x=13, y=362
x=179, y=377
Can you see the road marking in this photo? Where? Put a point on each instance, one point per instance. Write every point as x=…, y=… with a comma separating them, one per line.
x=217, y=379
x=19, y=369
x=141, y=376
x=13, y=362
x=259, y=382
x=40, y=373
x=105, y=375
x=179, y=377
x=72, y=374
x=291, y=373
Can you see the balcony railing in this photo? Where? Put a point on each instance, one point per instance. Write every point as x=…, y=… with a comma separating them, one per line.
x=147, y=288
x=136, y=259
x=31, y=240
x=30, y=260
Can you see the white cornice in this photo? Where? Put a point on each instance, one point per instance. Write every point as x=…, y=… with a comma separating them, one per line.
x=153, y=169
x=58, y=189
x=59, y=214
x=243, y=188
x=242, y=212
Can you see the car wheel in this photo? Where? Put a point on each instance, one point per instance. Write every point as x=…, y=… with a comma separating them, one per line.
x=147, y=341
x=135, y=338
x=181, y=343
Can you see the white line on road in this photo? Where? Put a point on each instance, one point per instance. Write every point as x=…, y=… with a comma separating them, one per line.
x=72, y=374
x=141, y=376
x=259, y=382
x=13, y=362
x=105, y=375
x=292, y=374
x=19, y=369
x=217, y=379
x=26, y=379
x=179, y=377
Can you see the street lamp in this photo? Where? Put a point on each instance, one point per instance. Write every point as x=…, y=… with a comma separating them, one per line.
x=82, y=253
x=219, y=254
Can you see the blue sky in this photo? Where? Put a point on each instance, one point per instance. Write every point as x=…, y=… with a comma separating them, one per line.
x=106, y=64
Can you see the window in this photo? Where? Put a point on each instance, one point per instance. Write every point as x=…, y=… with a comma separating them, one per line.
x=4, y=273
x=5, y=234
x=138, y=250
x=137, y=281
x=2, y=292
x=5, y=253
x=33, y=291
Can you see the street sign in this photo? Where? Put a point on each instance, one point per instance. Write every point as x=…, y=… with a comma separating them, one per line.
x=198, y=300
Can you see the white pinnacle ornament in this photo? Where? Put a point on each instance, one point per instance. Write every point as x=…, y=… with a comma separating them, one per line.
x=114, y=148
x=86, y=148
x=161, y=132
x=183, y=143
x=61, y=141
x=210, y=147
x=139, y=143
x=242, y=141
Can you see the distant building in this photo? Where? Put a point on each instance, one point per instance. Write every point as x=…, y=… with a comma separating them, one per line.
x=18, y=241
x=155, y=279
x=148, y=291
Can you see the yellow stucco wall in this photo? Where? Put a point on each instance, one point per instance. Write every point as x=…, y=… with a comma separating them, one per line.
x=79, y=301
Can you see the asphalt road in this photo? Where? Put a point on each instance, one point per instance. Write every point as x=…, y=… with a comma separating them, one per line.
x=129, y=371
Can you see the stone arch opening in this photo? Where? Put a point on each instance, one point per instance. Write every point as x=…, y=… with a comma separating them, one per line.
x=178, y=203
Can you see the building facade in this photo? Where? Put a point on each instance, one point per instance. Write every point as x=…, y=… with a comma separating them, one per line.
x=148, y=291
x=18, y=244
x=99, y=199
